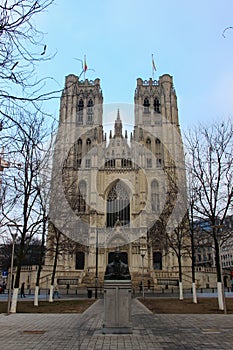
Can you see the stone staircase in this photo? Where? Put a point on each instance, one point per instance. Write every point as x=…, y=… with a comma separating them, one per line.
x=137, y=279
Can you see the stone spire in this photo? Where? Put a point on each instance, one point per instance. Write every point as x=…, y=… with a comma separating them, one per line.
x=118, y=125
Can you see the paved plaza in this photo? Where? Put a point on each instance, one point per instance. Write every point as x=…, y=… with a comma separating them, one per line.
x=82, y=331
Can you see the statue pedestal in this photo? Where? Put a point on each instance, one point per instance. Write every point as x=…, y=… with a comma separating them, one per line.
x=117, y=307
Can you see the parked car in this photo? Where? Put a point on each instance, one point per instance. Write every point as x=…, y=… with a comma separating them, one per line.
x=1, y=290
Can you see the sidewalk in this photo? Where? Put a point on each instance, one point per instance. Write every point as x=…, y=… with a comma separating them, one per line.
x=150, y=331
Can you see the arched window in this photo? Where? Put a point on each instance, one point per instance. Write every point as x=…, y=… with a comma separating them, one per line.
x=156, y=105
x=118, y=205
x=88, y=143
x=79, y=153
x=155, y=196
x=157, y=261
x=157, y=146
x=80, y=107
x=81, y=199
x=148, y=143
x=79, y=145
x=146, y=105
x=90, y=112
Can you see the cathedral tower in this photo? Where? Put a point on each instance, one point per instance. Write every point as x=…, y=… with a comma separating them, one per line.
x=121, y=190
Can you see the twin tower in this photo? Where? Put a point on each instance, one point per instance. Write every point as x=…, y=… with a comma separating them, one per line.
x=117, y=190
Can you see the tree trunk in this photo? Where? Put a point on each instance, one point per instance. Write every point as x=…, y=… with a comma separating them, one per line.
x=17, y=277
x=36, y=296
x=193, y=262
x=40, y=265
x=14, y=301
x=194, y=293
x=181, y=297
x=220, y=289
x=54, y=267
x=51, y=293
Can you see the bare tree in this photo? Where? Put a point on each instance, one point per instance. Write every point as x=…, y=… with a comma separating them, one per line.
x=42, y=203
x=20, y=205
x=178, y=242
x=171, y=230
x=191, y=219
x=210, y=158
x=57, y=246
x=22, y=48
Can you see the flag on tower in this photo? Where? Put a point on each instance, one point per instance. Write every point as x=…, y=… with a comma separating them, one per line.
x=85, y=64
x=153, y=63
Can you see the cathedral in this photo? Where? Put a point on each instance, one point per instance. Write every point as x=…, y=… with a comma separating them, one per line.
x=119, y=189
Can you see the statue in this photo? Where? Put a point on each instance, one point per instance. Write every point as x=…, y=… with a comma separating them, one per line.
x=117, y=270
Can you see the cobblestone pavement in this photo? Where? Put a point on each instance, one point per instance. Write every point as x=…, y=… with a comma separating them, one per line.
x=81, y=331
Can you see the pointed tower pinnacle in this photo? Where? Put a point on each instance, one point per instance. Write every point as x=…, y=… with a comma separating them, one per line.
x=118, y=125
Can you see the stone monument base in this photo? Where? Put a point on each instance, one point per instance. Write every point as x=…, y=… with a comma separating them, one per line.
x=117, y=307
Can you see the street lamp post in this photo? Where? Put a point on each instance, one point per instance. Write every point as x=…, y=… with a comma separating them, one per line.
x=96, y=264
x=143, y=249
x=13, y=235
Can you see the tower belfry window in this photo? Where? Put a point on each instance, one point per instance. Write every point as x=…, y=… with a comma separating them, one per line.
x=146, y=105
x=90, y=111
x=80, y=107
x=156, y=105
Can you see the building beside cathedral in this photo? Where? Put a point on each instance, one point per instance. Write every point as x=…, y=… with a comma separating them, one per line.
x=119, y=190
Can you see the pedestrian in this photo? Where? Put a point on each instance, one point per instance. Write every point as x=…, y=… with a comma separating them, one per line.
x=22, y=290
x=56, y=292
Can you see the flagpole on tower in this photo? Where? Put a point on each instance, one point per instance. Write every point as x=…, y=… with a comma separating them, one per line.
x=153, y=66
x=85, y=66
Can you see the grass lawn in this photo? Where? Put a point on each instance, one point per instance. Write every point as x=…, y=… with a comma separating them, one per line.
x=186, y=306
x=58, y=306
x=156, y=305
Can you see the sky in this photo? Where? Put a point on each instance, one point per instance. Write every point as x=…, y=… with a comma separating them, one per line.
x=118, y=38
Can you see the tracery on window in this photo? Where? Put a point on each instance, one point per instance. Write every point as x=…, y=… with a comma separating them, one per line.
x=81, y=198
x=110, y=163
x=146, y=105
x=118, y=205
x=156, y=105
x=126, y=163
x=80, y=106
x=90, y=111
x=78, y=154
x=155, y=196
x=88, y=143
x=157, y=146
x=148, y=143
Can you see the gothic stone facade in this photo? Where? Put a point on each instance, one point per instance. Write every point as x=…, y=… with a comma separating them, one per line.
x=123, y=191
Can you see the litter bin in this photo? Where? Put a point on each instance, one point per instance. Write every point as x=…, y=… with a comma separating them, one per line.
x=89, y=293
